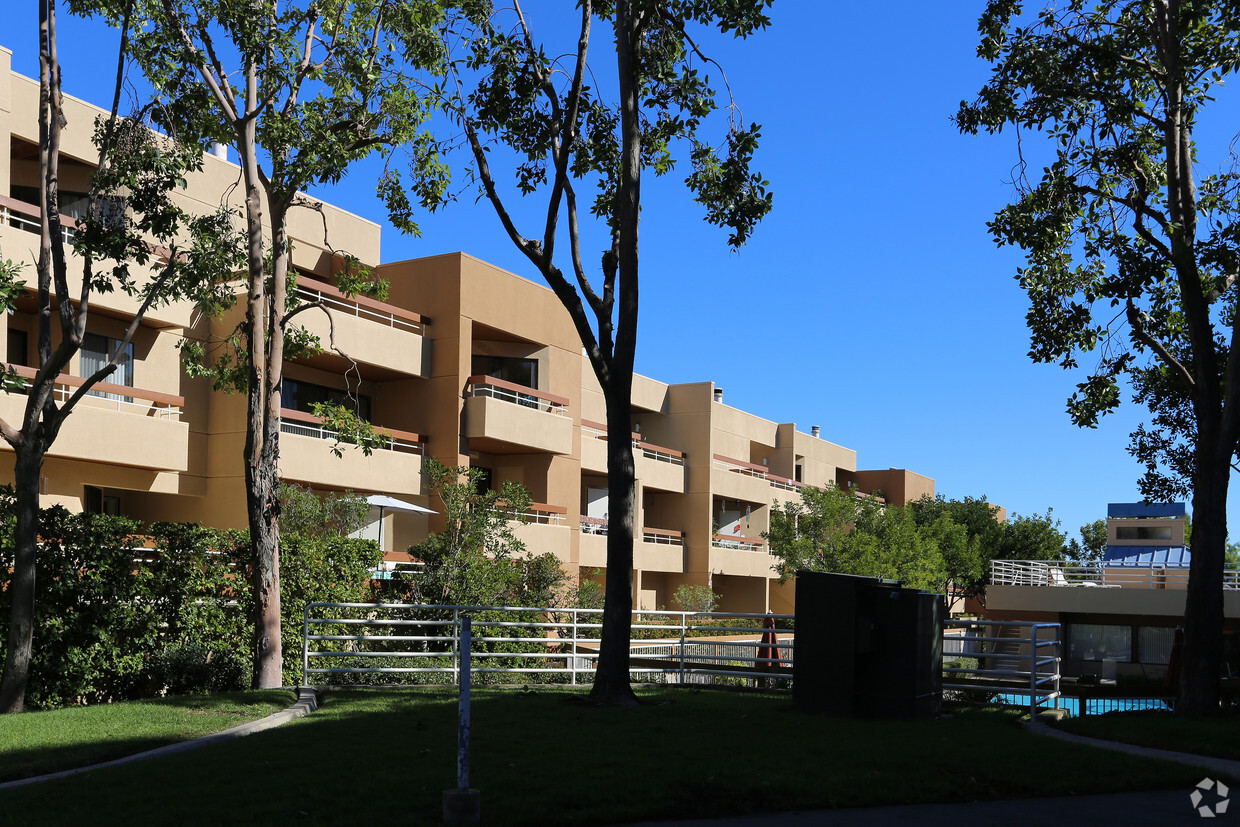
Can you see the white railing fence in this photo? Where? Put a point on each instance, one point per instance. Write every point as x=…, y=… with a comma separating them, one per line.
x=1017, y=662
x=353, y=308
x=381, y=441
x=1070, y=573
x=420, y=643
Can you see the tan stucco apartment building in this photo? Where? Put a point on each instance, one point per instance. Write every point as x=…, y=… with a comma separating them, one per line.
x=463, y=362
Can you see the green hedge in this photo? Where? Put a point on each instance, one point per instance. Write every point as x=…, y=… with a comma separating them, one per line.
x=117, y=620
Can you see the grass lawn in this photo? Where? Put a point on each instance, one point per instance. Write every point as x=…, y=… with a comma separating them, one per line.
x=34, y=743
x=1215, y=736
x=385, y=756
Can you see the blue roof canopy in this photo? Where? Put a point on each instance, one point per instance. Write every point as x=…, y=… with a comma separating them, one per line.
x=1172, y=557
x=1145, y=510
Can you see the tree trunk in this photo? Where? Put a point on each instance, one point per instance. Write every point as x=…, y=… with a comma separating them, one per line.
x=21, y=588
x=263, y=509
x=1203, y=607
x=611, y=680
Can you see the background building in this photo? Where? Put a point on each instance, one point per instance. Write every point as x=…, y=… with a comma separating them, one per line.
x=464, y=362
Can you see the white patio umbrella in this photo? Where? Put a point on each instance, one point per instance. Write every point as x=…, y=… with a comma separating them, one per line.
x=383, y=502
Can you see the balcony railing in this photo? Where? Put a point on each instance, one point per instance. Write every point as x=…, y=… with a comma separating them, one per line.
x=363, y=307
x=594, y=525
x=1068, y=573
x=518, y=394
x=663, y=536
x=539, y=513
x=300, y=423
x=27, y=217
x=737, y=543
x=658, y=453
x=123, y=398
x=749, y=469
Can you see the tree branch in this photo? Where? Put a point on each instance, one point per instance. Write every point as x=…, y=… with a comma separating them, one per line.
x=1140, y=332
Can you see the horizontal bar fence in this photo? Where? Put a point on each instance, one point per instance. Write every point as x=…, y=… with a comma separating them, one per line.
x=1017, y=662
x=1106, y=575
x=416, y=643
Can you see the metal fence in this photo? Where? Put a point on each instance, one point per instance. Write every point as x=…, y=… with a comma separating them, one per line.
x=398, y=642
x=1017, y=662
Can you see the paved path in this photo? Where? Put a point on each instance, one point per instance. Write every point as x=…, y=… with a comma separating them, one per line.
x=307, y=702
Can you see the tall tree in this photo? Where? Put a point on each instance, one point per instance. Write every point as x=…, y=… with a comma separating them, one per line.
x=317, y=87
x=134, y=238
x=564, y=132
x=1129, y=256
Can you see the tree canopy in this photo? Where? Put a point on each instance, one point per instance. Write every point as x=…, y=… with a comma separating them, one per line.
x=1132, y=253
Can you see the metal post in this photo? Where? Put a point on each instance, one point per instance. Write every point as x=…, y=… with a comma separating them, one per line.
x=1033, y=671
x=573, y=664
x=456, y=645
x=462, y=805
x=305, y=647
x=462, y=736
x=683, y=623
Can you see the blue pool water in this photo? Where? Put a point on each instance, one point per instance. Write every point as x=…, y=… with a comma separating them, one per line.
x=1095, y=706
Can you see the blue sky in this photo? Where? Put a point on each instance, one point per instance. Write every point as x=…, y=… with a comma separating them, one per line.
x=872, y=301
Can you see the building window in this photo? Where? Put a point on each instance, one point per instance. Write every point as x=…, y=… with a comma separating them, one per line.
x=302, y=396
x=1154, y=644
x=1092, y=641
x=17, y=353
x=96, y=502
x=97, y=351
x=1143, y=532
x=482, y=480
x=508, y=368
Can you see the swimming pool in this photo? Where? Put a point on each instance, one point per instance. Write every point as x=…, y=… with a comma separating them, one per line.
x=1093, y=706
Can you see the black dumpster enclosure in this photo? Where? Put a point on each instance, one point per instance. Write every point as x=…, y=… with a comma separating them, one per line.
x=867, y=648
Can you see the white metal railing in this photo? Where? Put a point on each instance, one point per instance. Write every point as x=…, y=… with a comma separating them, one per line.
x=1017, y=661
x=353, y=308
x=737, y=543
x=400, y=639
x=748, y=469
x=593, y=432
x=593, y=525
x=737, y=468
x=535, y=515
x=662, y=537
x=121, y=404
x=1069, y=573
x=517, y=397
x=657, y=453
x=32, y=224
x=380, y=441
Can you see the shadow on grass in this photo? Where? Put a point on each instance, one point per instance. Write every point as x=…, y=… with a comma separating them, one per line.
x=384, y=756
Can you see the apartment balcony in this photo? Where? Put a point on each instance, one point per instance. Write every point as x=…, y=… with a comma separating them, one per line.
x=20, y=230
x=740, y=480
x=660, y=549
x=130, y=426
x=543, y=528
x=655, y=549
x=506, y=418
x=393, y=467
x=656, y=466
x=370, y=331
x=740, y=556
